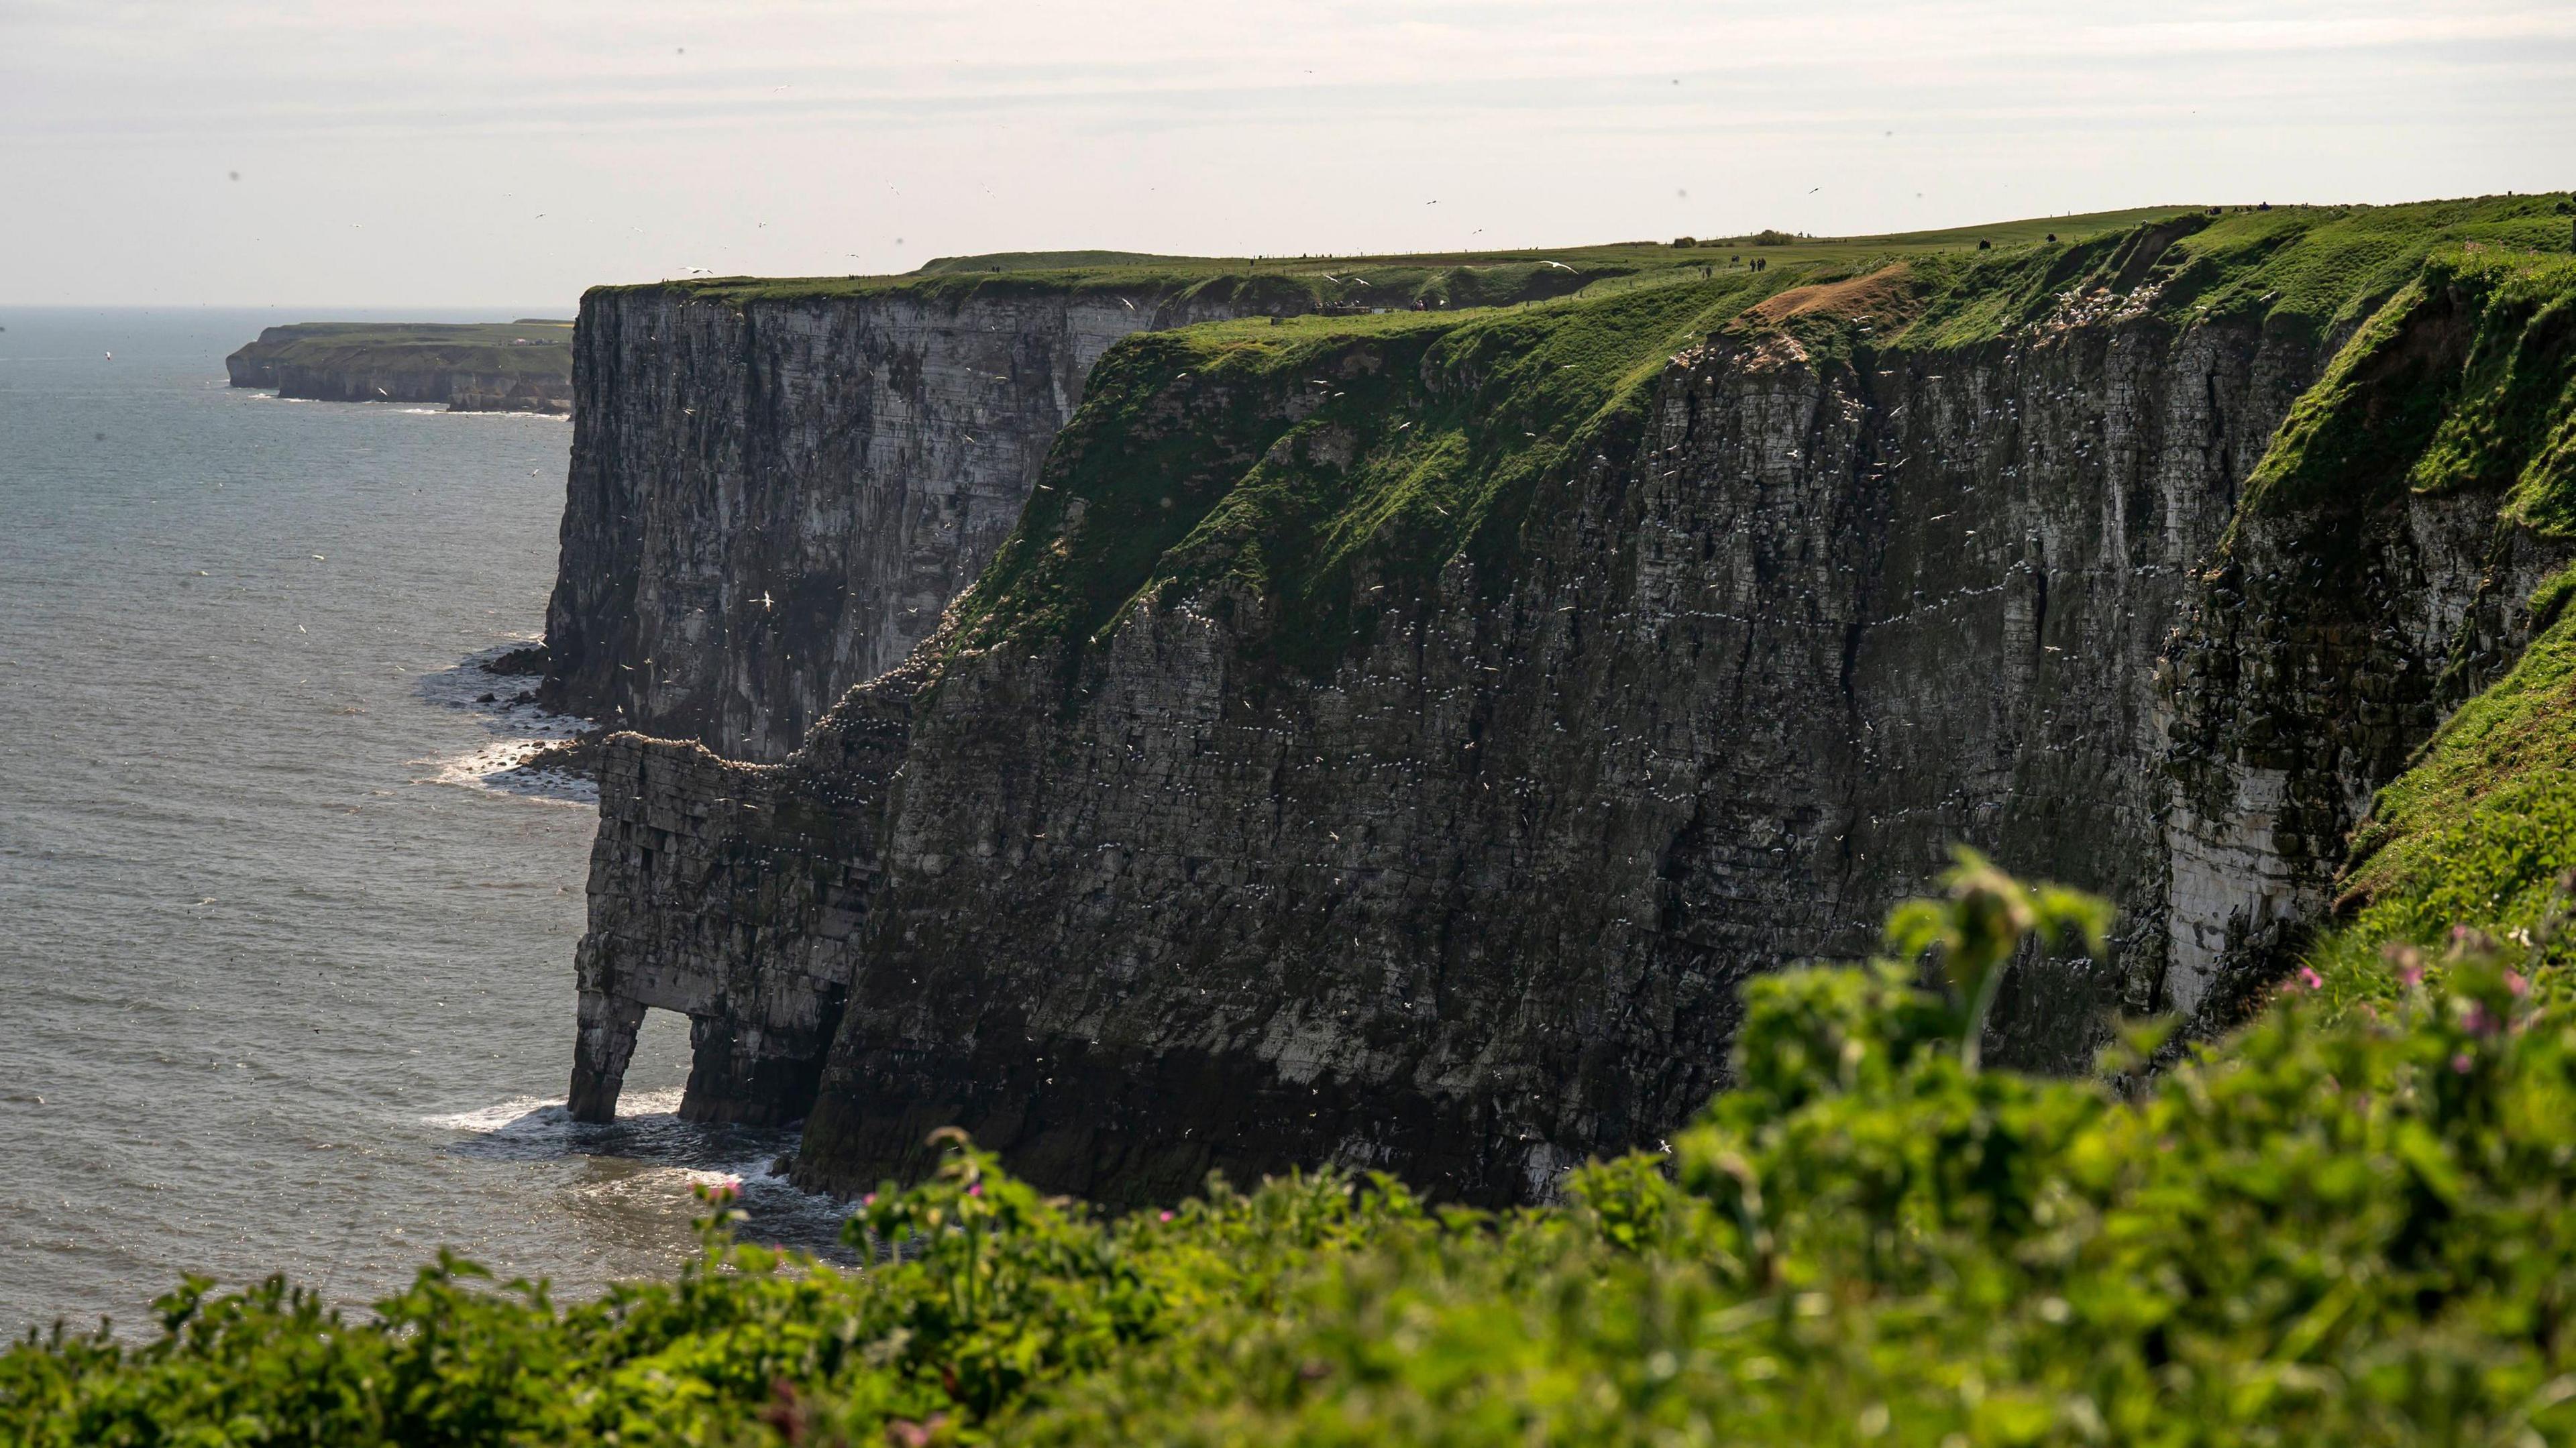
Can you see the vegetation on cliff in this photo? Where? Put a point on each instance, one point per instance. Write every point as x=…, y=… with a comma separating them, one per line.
x=531, y=348
x=2463, y=383
x=1440, y=279
x=2349, y=1228
x=2460, y=381
x=522, y=366
x=1330, y=466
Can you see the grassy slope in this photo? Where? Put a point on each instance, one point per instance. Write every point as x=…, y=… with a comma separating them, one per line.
x=1331, y=465
x=2465, y=380
x=1419, y=433
x=481, y=347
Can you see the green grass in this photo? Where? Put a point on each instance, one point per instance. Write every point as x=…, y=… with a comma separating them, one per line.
x=532, y=347
x=2464, y=381
x=2459, y=381
x=2335, y=260
x=1458, y=278
x=1326, y=469
x=2478, y=834
x=2339, y=1230
x=1046, y=261
x=1327, y=465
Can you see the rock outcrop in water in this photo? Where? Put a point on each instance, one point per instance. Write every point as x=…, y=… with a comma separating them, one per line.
x=1395, y=745
x=523, y=366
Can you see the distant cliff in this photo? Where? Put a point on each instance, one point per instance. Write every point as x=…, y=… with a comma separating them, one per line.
x=1394, y=740
x=523, y=366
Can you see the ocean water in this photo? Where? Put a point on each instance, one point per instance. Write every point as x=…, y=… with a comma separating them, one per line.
x=285, y=980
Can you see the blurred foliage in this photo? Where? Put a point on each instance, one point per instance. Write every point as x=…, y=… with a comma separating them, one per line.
x=2344, y=1226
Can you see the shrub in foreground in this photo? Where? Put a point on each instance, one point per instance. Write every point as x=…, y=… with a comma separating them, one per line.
x=2347, y=1228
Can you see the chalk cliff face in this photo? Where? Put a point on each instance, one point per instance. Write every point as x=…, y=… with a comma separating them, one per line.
x=1374, y=747
x=734, y=894
x=2362, y=597
x=1478, y=903
x=771, y=500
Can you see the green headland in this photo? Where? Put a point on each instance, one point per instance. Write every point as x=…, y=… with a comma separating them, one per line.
x=521, y=366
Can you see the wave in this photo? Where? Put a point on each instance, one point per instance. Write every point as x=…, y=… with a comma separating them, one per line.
x=663, y=1158
x=521, y=729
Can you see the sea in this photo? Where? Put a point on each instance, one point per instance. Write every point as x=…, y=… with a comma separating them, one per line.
x=286, y=945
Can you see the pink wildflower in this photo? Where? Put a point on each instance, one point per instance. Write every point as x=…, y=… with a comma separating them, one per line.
x=1167, y=1216
x=2514, y=982
x=2308, y=977
x=869, y=1200
x=2413, y=975
x=2477, y=1022
x=2460, y=1063
x=976, y=1190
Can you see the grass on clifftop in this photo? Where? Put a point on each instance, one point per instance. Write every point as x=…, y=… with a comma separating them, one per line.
x=1327, y=465
x=2460, y=381
x=2349, y=1232
x=1328, y=468
x=533, y=347
x=1454, y=279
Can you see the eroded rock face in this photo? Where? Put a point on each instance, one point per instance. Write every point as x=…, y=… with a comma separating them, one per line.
x=771, y=501
x=2317, y=657
x=1474, y=899
x=1479, y=905
x=734, y=894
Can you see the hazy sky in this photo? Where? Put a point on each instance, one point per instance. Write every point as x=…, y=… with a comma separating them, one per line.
x=511, y=152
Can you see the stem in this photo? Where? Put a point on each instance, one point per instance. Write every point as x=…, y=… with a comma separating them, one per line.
x=1972, y=1046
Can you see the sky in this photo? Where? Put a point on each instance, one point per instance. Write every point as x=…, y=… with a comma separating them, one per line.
x=508, y=153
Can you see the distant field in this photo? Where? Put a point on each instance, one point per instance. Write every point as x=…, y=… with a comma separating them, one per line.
x=1454, y=278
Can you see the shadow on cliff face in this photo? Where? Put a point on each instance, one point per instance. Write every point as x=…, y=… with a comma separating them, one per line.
x=650, y=1155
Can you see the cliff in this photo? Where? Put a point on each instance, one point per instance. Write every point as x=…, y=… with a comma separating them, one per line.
x=523, y=366
x=1394, y=740
x=777, y=486
x=2400, y=545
